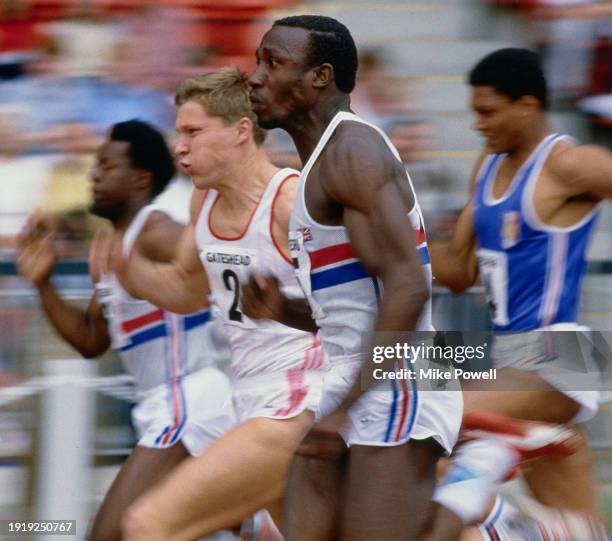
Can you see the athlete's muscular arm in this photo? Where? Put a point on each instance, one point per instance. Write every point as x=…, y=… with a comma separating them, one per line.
x=263, y=299
x=453, y=262
x=86, y=331
x=365, y=180
x=371, y=186
x=159, y=238
x=179, y=286
x=583, y=170
x=261, y=296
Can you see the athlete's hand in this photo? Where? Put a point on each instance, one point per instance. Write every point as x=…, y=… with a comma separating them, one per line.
x=37, y=253
x=324, y=441
x=262, y=298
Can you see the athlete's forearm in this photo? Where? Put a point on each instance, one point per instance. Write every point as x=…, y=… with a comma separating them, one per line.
x=453, y=261
x=73, y=324
x=297, y=314
x=453, y=269
x=399, y=313
x=165, y=285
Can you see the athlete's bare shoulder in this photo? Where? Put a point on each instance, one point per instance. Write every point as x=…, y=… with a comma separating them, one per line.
x=356, y=163
x=159, y=237
x=284, y=198
x=581, y=170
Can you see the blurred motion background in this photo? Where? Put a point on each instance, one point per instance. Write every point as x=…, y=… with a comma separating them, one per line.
x=70, y=68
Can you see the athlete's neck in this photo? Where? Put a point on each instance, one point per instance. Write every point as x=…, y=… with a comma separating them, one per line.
x=529, y=141
x=241, y=188
x=121, y=223
x=308, y=129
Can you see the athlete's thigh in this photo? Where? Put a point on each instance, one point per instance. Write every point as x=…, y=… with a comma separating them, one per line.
x=388, y=491
x=566, y=483
x=312, y=499
x=522, y=395
x=143, y=468
x=237, y=475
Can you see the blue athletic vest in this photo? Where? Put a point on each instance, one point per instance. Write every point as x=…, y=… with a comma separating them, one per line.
x=532, y=272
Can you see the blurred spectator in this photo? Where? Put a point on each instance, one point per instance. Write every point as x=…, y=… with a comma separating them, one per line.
x=378, y=94
x=596, y=47
x=577, y=37
x=414, y=138
x=21, y=37
x=159, y=48
x=567, y=47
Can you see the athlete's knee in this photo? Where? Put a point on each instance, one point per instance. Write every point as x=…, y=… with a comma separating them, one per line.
x=140, y=523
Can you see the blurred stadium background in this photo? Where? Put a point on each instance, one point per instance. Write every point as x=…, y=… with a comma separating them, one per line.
x=70, y=68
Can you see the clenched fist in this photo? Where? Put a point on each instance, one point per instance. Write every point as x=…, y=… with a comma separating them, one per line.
x=262, y=298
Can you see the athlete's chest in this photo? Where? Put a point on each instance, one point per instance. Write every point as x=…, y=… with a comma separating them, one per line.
x=503, y=179
x=228, y=224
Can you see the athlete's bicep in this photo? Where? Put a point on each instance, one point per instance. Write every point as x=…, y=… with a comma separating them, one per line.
x=365, y=178
x=383, y=238
x=160, y=238
x=187, y=260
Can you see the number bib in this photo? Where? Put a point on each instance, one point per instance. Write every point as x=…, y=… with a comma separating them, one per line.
x=228, y=269
x=493, y=267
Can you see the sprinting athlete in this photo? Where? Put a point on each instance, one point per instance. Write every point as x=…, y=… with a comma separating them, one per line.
x=181, y=395
x=525, y=231
x=238, y=228
x=362, y=260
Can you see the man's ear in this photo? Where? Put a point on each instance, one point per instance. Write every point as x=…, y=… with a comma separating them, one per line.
x=323, y=76
x=245, y=129
x=142, y=180
x=529, y=104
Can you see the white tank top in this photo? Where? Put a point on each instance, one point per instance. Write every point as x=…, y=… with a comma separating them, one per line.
x=155, y=346
x=258, y=346
x=344, y=297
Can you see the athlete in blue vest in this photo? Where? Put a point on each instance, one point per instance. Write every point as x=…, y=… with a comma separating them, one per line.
x=525, y=232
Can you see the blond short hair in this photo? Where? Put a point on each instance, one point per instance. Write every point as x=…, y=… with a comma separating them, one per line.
x=224, y=94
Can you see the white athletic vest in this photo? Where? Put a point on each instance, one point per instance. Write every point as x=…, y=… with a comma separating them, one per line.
x=155, y=346
x=264, y=346
x=343, y=296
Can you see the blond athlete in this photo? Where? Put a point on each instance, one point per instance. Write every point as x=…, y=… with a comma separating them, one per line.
x=239, y=224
